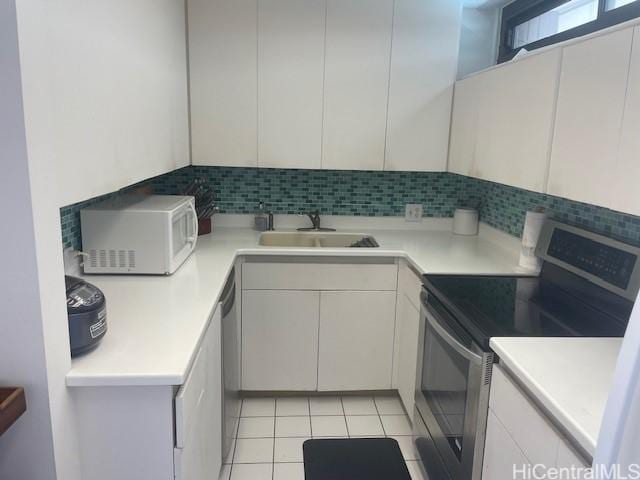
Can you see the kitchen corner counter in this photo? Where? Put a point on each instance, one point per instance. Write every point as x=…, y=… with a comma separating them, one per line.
x=156, y=323
x=569, y=378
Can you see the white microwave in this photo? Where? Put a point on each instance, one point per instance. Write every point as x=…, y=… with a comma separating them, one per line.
x=139, y=234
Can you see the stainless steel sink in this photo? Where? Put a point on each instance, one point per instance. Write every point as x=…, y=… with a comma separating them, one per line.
x=316, y=240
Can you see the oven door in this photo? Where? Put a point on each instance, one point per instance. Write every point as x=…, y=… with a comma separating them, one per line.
x=454, y=390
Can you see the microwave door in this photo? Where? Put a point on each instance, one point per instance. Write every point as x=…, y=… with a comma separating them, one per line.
x=184, y=235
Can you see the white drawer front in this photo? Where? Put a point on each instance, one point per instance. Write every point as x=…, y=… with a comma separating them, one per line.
x=319, y=276
x=533, y=433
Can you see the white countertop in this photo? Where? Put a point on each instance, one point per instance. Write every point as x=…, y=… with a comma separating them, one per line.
x=156, y=322
x=569, y=377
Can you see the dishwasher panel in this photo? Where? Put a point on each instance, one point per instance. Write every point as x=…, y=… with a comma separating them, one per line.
x=231, y=364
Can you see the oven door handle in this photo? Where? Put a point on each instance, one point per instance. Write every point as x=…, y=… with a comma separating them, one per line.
x=451, y=341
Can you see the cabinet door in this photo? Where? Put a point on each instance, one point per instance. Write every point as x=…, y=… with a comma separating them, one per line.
x=198, y=453
x=515, y=122
x=408, y=328
x=356, y=83
x=105, y=93
x=568, y=457
x=290, y=72
x=279, y=340
x=464, y=124
x=424, y=62
x=530, y=429
x=501, y=454
x=223, y=78
x=356, y=340
x=589, y=118
x=625, y=194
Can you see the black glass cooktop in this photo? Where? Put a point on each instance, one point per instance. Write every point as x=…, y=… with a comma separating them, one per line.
x=553, y=305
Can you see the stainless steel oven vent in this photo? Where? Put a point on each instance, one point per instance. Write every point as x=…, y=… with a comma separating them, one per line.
x=488, y=369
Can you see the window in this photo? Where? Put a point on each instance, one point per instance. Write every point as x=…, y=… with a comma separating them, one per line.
x=611, y=4
x=533, y=24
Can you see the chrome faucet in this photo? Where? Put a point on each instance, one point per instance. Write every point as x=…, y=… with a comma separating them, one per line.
x=315, y=221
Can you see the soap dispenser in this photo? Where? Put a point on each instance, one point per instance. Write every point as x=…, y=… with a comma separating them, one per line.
x=261, y=220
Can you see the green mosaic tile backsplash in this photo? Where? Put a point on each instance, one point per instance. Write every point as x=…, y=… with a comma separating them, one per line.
x=383, y=194
x=332, y=192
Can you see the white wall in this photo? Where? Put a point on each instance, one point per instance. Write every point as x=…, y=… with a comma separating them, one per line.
x=93, y=96
x=105, y=90
x=478, y=39
x=27, y=449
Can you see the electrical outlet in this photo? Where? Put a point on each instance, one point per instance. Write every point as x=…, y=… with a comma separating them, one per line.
x=413, y=212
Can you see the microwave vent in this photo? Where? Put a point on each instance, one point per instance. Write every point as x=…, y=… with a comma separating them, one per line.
x=122, y=258
x=112, y=258
x=102, y=258
x=93, y=258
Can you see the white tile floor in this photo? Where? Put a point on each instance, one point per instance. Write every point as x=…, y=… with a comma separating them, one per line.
x=272, y=430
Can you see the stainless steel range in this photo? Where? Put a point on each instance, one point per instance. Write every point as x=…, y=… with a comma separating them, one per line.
x=586, y=288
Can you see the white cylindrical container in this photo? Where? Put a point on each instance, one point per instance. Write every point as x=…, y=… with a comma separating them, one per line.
x=465, y=221
x=532, y=227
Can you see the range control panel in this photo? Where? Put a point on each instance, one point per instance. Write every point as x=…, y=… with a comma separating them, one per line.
x=607, y=262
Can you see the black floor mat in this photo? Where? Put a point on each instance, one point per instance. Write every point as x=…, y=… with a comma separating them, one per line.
x=354, y=459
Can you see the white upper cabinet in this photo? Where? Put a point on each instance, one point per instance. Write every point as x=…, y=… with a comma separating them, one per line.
x=626, y=197
x=503, y=122
x=591, y=106
x=464, y=124
x=105, y=100
x=223, y=78
x=424, y=62
x=356, y=83
x=290, y=75
x=515, y=123
x=317, y=84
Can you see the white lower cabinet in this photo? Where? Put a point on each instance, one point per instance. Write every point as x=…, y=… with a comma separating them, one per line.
x=407, y=328
x=356, y=340
x=318, y=325
x=405, y=350
x=198, y=405
x=568, y=457
x=519, y=434
x=280, y=340
x=153, y=432
x=501, y=454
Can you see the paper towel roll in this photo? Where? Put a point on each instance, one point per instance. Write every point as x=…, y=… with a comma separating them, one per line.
x=465, y=221
x=533, y=223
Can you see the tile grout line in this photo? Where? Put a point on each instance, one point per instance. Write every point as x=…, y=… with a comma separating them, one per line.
x=310, y=423
x=344, y=417
x=375, y=404
x=235, y=440
x=274, y=416
x=273, y=450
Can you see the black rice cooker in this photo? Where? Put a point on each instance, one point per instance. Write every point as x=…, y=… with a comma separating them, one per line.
x=87, y=312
